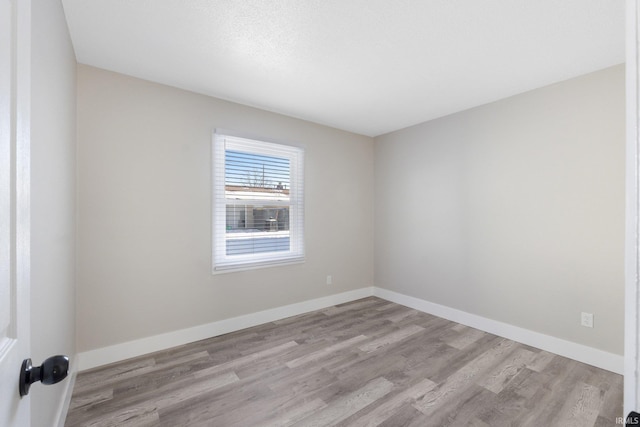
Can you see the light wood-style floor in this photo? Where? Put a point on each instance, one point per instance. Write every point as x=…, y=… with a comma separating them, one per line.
x=365, y=363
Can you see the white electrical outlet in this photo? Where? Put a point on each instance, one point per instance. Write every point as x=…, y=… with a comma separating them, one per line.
x=586, y=319
x=329, y=280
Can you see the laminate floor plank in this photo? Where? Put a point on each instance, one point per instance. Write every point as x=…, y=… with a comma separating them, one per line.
x=247, y=359
x=611, y=409
x=391, y=305
x=460, y=413
x=91, y=398
x=383, y=411
x=465, y=338
x=290, y=417
x=406, y=416
x=364, y=363
x=582, y=406
x=325, y=352
x=442, y=368
x=352, y=402
x=459, y=382
x=540, y=361
x=504, y=411
x=367, y=369
x=112, y=374
x=547, y=402
x=506, y=371
x=391, y=338
x=304, y=382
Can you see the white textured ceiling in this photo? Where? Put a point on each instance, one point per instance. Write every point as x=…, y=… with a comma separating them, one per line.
x=367, y=66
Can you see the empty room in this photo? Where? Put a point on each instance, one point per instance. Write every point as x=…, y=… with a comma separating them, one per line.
x=319, y=213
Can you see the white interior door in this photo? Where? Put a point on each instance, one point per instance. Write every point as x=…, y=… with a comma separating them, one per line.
x=15, y=77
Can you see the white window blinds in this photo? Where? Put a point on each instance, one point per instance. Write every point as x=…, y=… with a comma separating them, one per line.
x=258, y=203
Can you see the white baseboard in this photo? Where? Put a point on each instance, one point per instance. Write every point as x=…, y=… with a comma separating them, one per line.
x=68, y=391
x=581, y=353
x=115, y=353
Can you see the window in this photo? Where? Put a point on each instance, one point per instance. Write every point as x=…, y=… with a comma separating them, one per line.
x=258, y=203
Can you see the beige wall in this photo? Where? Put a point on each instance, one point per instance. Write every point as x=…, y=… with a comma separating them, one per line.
x=53, y=136
x=513, y=211
x=144, y=211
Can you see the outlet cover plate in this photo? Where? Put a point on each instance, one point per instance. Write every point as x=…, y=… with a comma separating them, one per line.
x=586, y=319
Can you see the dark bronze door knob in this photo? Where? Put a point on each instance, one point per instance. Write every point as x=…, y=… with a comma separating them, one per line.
x=52, y=370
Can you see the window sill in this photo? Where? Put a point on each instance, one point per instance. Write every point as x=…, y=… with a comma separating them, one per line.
x=256, y=266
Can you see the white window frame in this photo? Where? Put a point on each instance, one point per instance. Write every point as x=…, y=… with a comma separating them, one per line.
x=224, y=140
